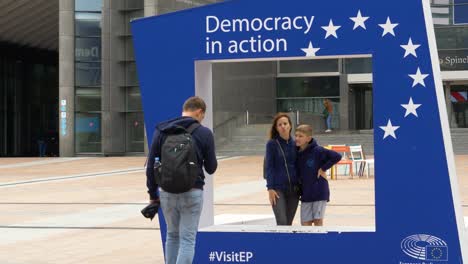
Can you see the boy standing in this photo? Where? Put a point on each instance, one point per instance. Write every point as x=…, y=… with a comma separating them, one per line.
x=312, y=163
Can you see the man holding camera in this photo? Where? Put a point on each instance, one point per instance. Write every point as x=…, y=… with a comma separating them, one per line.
x=182, y=209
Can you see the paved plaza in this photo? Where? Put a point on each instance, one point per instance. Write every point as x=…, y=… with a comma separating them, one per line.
x=87, y=210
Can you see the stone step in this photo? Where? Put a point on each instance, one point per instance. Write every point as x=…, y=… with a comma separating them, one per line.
x=253, y=130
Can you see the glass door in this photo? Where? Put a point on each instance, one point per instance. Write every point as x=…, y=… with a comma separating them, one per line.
x=363, y=105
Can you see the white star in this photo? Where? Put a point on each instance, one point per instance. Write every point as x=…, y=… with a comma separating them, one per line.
x=389, y=130
x=331, y=29
x=359, y=20
x=411, y=108
x=418, y=78
x=410, y=48
x=310, y=50
x=388, y=27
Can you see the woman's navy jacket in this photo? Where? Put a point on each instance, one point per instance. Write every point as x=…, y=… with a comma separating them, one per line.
x=276, y=174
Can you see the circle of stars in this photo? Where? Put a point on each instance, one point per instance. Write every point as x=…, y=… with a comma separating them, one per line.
x=410, y=48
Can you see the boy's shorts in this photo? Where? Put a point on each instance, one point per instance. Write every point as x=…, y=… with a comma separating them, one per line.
x=312, y=210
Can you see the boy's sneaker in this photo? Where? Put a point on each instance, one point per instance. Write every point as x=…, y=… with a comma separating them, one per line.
x=328, y=130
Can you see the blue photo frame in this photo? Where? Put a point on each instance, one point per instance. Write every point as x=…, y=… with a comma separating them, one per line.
x=418, y=209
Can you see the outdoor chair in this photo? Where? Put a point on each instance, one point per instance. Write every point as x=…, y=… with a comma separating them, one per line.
x=357, y=155
x=345, y=153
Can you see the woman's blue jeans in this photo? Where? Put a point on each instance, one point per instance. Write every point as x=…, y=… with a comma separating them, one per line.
x=328, y=122
x=182, y=214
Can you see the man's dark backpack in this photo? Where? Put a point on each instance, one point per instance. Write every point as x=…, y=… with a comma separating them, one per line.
x=179, y=165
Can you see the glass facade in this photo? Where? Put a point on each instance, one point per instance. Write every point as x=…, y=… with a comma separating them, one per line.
x=88, y=5
x=28, y=101
x=134, y=122
x=451, y=30
x=135, y=132
x=87, y=99
x=358, y=65
x=88, y=76
x=308, y=66
x=88, y=24
x=306, y=95
x=87, y=132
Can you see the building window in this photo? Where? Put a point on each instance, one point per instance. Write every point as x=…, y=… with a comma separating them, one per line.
x=131, y=74
x=134, y=4
x=358, y=65
x=452, y=43
x=452, y=37
x=88, y=24
x=133, y=98
x=135, y=132
x=88, y=49
x=134, y=122
x=307, y=66
x=88, y=76
x=88, y=5
x=306, y=95
x=87, y=132
x=88, y=100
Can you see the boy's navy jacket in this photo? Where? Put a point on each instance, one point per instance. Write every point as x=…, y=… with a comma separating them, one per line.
x=309, y=161
x=276, y=175
x=204, y=143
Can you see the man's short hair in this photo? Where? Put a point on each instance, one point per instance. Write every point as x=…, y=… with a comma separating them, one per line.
x=194, y=103
x=305, y=129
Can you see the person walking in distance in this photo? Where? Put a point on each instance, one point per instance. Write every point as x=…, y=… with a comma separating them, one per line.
x=327, y=112
x=179, y=187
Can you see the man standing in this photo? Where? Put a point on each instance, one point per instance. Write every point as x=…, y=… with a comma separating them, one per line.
x=182, y=210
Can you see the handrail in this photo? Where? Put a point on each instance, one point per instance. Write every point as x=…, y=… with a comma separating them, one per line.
x=246, y=117
x=224, y=130
x=235, y=117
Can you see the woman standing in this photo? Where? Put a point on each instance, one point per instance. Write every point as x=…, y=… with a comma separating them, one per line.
x=280, y=160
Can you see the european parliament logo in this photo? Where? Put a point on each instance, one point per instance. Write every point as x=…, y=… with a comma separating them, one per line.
x=425, y=247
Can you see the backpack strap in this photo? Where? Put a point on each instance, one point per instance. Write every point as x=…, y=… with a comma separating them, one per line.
x=192, y=127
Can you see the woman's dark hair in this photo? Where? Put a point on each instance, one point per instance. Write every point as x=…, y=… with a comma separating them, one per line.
x=273, y=132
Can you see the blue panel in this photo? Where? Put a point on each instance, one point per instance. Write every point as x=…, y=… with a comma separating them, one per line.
x=460, y=12
x=413, y=195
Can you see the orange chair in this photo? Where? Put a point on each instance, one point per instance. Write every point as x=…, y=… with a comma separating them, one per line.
x=345, y=153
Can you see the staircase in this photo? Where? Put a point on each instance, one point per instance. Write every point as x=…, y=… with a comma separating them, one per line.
x=460, y=140
x=246, y=140
x=251, y=140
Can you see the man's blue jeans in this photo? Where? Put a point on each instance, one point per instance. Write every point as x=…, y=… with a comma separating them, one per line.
x=182, y=214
